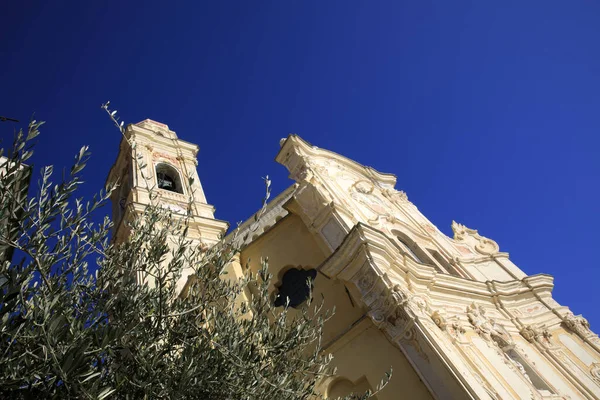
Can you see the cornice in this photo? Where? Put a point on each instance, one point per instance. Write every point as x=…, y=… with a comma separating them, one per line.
x=199, y=223
x=365, y=243
x=272, y=213
x=305, y=149
x=132, y=130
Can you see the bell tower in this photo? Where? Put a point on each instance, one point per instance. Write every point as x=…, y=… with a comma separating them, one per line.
x=165, y=163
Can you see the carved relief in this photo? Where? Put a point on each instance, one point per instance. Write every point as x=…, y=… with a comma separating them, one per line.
x=439, y=320
x=533, y=333
x=481, y=244
x=420, y=306
x=389, y=307
x=486, y=327
x=579, y=325
x=363, y=192
x=397, y=196
x=456, y=328
x=595, y=371
x=366, y=282
x=393, y=310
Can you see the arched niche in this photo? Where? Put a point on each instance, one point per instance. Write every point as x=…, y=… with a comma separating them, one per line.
x=168, y=178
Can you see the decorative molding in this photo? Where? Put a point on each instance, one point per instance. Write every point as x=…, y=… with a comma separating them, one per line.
x=295, y=152
x=452, y=325
x=487, y=327
x=595, y=371
x=579, y=325
x=481, y=244
x=396, y=196
x=394, y=310
x=439, y=320
x=164, y=156
x=363, y=192
x=536, y=334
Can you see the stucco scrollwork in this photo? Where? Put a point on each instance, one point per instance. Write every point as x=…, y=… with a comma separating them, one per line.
x=439, y=320
x=364, y=193
x=398, y=196
x=394, y=310
x=451, y=325
x=595, y=371
x=578, y=324
x=420, y=306
x=481, y=244
x=364, y=187
x=539, y=334
x=389, y=307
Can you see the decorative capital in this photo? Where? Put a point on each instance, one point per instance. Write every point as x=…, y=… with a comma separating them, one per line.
x=533, y=333
x=579, y=325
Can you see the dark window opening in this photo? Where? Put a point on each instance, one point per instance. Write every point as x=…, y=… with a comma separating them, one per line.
x=444, y=262
x=296, y=286
x=165, y=182
x=167, y=178
x=414, y=250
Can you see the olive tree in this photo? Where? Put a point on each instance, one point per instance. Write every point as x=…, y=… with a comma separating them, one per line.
x=76, y=323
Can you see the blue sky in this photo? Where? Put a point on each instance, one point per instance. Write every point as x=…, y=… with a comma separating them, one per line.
x=487, y=112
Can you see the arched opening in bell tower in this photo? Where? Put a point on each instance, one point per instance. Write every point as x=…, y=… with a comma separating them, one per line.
x=167, y=178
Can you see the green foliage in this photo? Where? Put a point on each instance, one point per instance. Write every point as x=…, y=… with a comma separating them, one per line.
x=123, y=332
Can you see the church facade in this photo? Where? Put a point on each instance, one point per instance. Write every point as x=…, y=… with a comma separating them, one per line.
x=454, y=317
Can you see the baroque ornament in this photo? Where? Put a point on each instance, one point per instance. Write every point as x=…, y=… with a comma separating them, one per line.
x=534, y=334
x=364, y=193
x=595, y=371
x=481, y=244
x=578, y=324
x=486, y=327
x=439, y=320
x=398, y=196
x=366, y=281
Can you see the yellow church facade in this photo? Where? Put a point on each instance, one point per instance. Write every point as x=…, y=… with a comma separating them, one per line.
x=454, y=318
